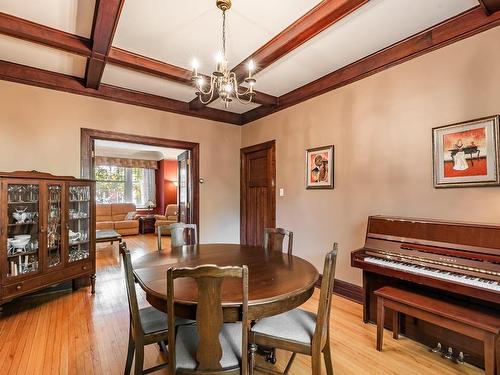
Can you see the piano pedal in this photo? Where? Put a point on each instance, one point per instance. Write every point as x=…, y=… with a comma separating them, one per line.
x=460, y=358
x=437, y=349
x=449, y=353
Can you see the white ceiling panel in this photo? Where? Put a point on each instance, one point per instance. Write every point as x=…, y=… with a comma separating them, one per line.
x=376, y=25
x=178, y=31
x=37, y=56
x=72, y=16
x=134, y=151
x=234, y=106
x=133, y=80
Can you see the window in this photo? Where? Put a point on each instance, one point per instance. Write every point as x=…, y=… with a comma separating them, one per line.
x=125, y=185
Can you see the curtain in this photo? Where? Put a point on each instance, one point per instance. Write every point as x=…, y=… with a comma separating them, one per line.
x=149, y=186
x=127, y=163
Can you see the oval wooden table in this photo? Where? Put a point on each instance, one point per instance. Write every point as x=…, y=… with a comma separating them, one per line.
x=277, y=282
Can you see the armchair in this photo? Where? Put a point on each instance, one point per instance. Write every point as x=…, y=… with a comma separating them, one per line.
x=170, y=217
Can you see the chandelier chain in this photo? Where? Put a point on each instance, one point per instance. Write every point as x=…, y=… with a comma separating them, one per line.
x=224, y=33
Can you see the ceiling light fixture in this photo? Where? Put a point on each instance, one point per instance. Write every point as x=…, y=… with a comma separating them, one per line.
x=223, y=81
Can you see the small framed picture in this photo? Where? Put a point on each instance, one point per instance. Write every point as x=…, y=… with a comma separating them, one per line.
x=319, y=168
x=466, y=154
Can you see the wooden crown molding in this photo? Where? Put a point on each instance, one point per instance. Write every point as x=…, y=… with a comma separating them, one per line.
x=455, y=29
x=322, y=16
x=490, y=6
x=61, y=82
x=106, y=18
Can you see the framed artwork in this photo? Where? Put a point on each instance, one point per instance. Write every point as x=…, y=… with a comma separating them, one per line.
x=319, y=168
x=466, y=154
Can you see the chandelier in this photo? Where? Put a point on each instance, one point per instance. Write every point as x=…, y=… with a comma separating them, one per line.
x=223, y=81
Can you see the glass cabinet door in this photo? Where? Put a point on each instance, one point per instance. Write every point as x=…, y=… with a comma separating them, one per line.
x=54, y=222
x=78, y=223
x=23, y=228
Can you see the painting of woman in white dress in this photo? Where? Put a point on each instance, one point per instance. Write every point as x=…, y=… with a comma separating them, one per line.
x=460, y=163
x=467, y=153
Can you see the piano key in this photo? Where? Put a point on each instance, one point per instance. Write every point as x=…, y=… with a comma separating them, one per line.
x=452, y=276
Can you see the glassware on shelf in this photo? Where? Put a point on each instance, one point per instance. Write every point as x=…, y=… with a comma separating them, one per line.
x=79, y=193
x=78, y=252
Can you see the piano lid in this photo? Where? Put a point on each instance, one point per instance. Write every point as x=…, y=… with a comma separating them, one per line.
x=472, y=237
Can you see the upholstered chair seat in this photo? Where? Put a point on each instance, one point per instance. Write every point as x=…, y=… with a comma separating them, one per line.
x=187, y=342
x=295, y=325
x=153, y=320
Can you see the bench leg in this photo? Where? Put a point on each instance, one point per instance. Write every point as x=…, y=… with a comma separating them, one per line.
x=380, y=322
x=395, y=325
x=489, y=355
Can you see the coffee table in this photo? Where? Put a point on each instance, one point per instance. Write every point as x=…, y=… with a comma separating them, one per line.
x=107, y=235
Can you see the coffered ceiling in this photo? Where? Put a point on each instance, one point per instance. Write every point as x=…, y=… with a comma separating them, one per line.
x=139, y=52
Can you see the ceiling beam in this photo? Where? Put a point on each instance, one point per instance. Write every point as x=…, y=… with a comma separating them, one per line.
x=490, y=6
x=322, y=16
x=42, y=78
x=103, y=30
x=455, y=29
x=34, y=32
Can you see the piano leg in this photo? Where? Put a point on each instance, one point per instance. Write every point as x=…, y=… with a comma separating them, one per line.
x=380, y=322
x=366, y=297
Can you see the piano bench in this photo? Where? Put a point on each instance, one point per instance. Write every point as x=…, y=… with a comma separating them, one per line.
x=481, y=325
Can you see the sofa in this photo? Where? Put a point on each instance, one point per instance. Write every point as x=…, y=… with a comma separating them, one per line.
x=170, y=217
x=113, y=216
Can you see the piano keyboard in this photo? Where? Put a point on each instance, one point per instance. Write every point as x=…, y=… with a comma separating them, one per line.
x=439, y=274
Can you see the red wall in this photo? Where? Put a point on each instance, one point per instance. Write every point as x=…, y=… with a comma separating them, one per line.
x=166, y=191
x=170, y=175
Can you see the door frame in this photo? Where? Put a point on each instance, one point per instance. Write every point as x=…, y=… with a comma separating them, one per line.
x=246, y=150
x=88, y=136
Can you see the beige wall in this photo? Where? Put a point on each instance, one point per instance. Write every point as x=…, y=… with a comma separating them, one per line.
x=40, y=129
x=381, y=129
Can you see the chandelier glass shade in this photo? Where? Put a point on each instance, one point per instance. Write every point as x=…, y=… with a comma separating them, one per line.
x=223, y=81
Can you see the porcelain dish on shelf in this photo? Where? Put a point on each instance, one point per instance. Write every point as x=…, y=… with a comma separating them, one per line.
x=20, y=243
x=22, y=236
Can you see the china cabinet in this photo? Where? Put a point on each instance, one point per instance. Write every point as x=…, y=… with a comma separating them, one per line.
x=47, y=232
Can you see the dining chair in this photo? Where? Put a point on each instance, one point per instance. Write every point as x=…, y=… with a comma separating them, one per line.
x=147, y=325
x=210, y=346
x=180, y=234
x=274, y=237
x=300, y=331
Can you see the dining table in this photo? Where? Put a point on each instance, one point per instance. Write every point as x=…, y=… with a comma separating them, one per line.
x=277, y=282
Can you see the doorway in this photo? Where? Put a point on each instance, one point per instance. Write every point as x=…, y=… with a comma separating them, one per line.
x=188, y=165
x=258, y=199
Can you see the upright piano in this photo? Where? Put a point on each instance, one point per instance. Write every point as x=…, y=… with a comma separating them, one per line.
x=455, y=261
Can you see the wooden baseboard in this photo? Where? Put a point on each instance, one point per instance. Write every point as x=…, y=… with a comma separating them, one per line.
x=347, y=290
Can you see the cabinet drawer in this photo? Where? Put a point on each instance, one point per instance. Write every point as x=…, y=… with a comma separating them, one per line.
x=45, y=280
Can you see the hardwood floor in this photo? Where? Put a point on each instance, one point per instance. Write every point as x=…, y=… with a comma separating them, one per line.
x=65, y=332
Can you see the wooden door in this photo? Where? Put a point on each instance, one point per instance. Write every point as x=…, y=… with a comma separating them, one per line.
x=258, y=200
x=184, y=187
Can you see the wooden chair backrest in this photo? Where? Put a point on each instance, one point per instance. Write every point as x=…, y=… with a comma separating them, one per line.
x=274, y=238
x=325, y=296
x=130, y=286
x=183, y=234
x=209, y=315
